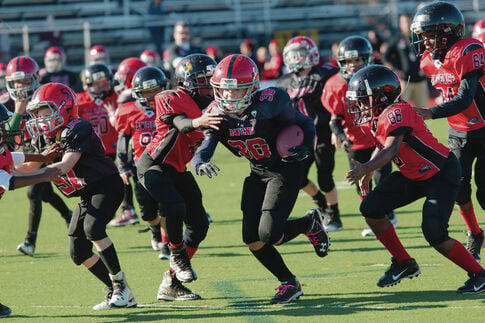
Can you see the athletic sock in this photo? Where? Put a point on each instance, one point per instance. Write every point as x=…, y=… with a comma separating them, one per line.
x=191, y=251
x=392, y=243
x=101, y=272
x=270, y=258
x=461, y=257
x=110, y=259
x=470, y=220
x=320, y=200
x=294, y=228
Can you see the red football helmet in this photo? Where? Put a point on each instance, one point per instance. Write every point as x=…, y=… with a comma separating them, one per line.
x=300, y=52
x=62, y=103
x=54, y=59
x=98, y=54
x=478, y=28
x=125, y=72
x=235, y=72
x=3, y=73
x=150, y=58
x=22, y=69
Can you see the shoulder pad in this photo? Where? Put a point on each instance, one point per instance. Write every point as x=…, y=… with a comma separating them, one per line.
x=269, y=103
x=471, y=47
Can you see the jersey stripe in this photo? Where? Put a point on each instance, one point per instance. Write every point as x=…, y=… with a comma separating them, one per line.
x=425, y=151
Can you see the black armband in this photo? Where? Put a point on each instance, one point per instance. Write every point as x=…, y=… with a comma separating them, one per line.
x=183, y=123
x=338, y=130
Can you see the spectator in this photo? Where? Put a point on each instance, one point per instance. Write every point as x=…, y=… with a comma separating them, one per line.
x=156, y=9
x=272, y=68
x=261, y=58
x=182, y=46
x=4, y=44
x=247, y=48
x=376, y=42
x=400, y=56
x=215, y=53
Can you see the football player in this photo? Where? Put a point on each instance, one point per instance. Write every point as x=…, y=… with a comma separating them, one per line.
x=22, y=80
x=150, y=58
x=478, y=31
x=251, y=122
x=123, y=77
x=55, y=70
x=354, y=53
x=426, y=169
x=162, y=169
x=98, y=54
x=304, y=83
x=135, y=122
x=456, y=68
x=89, y=173
x=4, y=96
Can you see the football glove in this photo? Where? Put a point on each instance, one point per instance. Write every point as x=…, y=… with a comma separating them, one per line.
x=208, y=169
x=299, y=153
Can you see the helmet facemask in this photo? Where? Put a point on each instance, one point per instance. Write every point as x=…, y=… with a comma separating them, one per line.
x=296, y=58
x=364, y=107
x=49, y=123
x=30, y=83
x=234, y=105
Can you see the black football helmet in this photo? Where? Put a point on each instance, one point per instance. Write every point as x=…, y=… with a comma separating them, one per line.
x=354, y=47
x=439, y=21
x=97, y=80
x=12, y=138
x=193, y=73
x=146, y=83
x=370, y=91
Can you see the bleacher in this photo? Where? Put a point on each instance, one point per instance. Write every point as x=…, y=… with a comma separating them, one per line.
x=121, y=26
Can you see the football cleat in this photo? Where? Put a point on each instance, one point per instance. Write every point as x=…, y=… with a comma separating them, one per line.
x=287, y=292
x=4, y=310
x=127, y=217
x=474, y=285
x=171, y=289
x=164, y=252
x=317, y=234
x=180, y=263
x=26, y=248
x=332, y=222
x=122, y=295
x=104, y=305
x=474, y=244
x=407, y=269
x=156, y=241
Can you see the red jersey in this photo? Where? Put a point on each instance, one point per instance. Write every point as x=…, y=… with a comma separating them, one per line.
x=139, y=124
x=463, y=57
x=97, y=115
x=420, y=155
x=5, y=162
x=333, y=99
x=170, y=146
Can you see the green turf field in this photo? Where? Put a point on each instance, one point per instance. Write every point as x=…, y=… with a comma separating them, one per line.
x=234, y=286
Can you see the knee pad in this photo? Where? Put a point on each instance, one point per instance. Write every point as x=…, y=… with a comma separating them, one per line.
x=304, y=183
x=370, y=208
x=195, y=234
x=465, y=193
x=326, y=182
x=269, y=235
x=80, y=250
x=94, y=228
x=434, y=232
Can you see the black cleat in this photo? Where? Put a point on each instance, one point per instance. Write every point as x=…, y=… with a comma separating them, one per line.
x=474, y=285
x=171, y=289
x=407, y=269
x=164, y=252
x=287, y=292
x=332, y=221
x=4, y=310
x=180, y=263
x=317, y=234
x=474, y=244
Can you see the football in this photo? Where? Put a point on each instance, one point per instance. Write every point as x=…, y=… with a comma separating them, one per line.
x=288, y=137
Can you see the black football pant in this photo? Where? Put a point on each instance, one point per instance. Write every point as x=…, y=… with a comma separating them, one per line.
x=180, y=199
x=467, y=150
x=37, y=194
x=363, y=156
x=89, y=219
x=439, y=191
x=267, y=200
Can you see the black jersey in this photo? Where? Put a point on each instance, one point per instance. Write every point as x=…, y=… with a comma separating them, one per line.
x=65, y=77
x=305, y=92
x=79, y=136
x=253, y=133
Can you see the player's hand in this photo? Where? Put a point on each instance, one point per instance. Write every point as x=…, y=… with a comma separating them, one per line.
x=52, y=152
x=126, y=177
x=52, y=173
x=424, y=113
x=354, y=175
x=364, y=183
x=299, y=153
x=347, y=144
x=207, y=120
x=208, y=169
x=110, y=107
x=20, y=106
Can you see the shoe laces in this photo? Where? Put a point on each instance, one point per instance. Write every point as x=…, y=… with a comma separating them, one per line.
x=283, y=288
x=312, y=236
x=118, y=287
x=180, y=258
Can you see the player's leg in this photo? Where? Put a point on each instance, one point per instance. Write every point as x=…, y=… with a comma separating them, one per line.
x=34, y=194
x=463, y=149
x=101, y=206
x=128, y=213
x=310, y=188
x=393, y=192
x=49, y=196
x=149, y=213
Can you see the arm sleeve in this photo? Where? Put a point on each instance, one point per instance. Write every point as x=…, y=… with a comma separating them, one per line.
x=183, y=123
x=18, y=158
x=122, y=153
x=5, y=180
x=462, y=100
x=14, y=122
x=206, y=149
x=338, y=130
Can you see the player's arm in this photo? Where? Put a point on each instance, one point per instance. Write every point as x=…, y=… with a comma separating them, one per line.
x=46, y=174
x=460, y=102
x=122, y=156
x=185, y=125
x=201, y=160
x=69, y=160
x=337, y=129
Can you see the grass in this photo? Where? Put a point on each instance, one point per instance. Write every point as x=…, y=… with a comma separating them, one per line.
x=341, y=287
